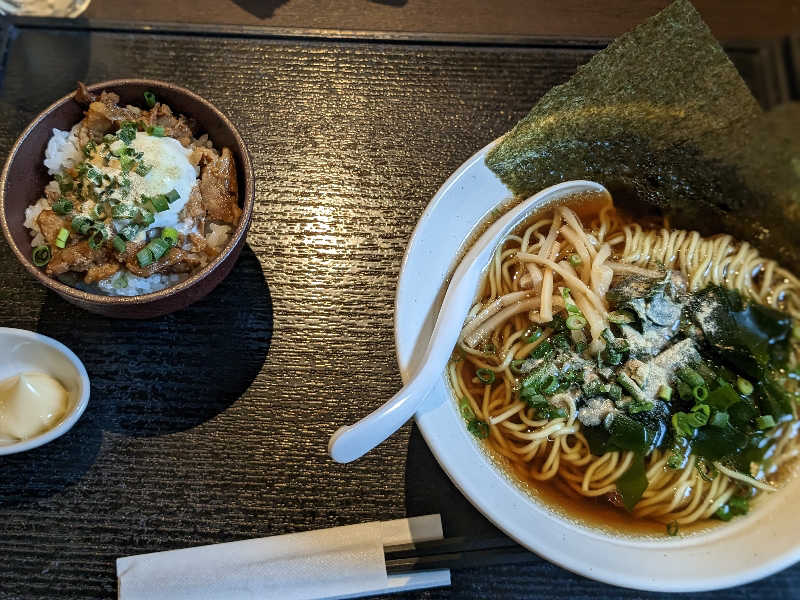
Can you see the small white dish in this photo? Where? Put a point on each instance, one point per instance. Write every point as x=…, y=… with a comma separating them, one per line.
x=735, y=553
x=24, y=351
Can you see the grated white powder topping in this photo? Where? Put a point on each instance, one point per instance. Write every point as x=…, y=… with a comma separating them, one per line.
x=595, y=410
x=705, y=316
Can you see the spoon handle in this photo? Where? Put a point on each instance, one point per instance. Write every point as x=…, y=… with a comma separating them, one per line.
x=353, y=441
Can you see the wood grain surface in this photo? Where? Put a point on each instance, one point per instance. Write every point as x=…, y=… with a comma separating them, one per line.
x=728, y=19
x=211, y=424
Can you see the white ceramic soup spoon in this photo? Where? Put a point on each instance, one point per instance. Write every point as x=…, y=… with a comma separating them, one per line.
x=353, y=441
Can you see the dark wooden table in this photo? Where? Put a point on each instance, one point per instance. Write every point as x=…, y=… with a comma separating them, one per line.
x=210, y=425
x=728, y=19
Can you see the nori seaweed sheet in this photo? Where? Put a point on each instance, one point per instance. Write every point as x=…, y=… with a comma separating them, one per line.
x=662, y=118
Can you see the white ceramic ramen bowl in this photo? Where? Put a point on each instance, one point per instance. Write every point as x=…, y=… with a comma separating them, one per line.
x=734, y=553
x=25, y=351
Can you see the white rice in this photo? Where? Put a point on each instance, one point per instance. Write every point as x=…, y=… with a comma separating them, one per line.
x=32, y=213
x=63, y=151
x=138, y=285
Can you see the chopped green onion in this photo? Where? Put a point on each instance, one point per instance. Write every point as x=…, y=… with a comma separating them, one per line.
x=515, y=365
x=665, y=392
x=739, y=505
x=150, y=99
x=99, y=211
x=62, y=206
x=129, y=231
x=142, y=169
x=89, y=148
x=724, y=513
x=549, y=385
x=160, y=247
x=478, y=428
x=691, y=377
x=109, y=138
x=706, y=469
x=620, y=316
x=551, y=412
x=81, y=224
x=145, y=217
x=42, y=255
x=97, y=235
x=155, y=131
x=94, y=175
x=700, y=393
x=569, y=303
x=637, y=407
x=629, y=385
x=537, y=378
x=465, y=409
x=172, y=195
x=543, y=350
x=576, y=322
x=675, y=460
x=681, y=426
x=673, y=528
x=614, y=392
x=160, y=203
x=484, y=375
x=575, y=260
x=145, y=256
x=126, y=163
x=560, y=342
x=745, y=387
x=796, y=331
x=765, y=422
x=65, y=183
x=124, y=210
x=699, y=415
x=121, y=281
x=573, y=377
x=119, y=243
x=127, y=132
x=611, y=357
x=170, y=234
x=736, y=506
x=531, y=335
x=536, y=401
x=62, y=237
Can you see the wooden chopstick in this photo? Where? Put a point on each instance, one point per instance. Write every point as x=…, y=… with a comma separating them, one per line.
x=455, y=553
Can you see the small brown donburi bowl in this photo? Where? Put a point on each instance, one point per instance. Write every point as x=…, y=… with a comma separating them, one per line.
x=25, y=176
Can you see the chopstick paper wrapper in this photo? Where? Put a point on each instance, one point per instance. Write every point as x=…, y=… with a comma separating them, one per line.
x=342, y=562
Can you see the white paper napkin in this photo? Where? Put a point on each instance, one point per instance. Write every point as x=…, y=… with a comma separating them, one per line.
x=342, y=562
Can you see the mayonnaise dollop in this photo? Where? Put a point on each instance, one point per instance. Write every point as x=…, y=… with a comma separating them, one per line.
x=30, y=404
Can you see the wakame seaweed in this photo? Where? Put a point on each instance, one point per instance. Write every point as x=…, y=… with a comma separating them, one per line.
x=632, y=484
x=749, y=337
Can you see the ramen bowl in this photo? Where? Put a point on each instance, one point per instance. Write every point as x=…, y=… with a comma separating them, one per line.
x=24, y=177
x=733, y=553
